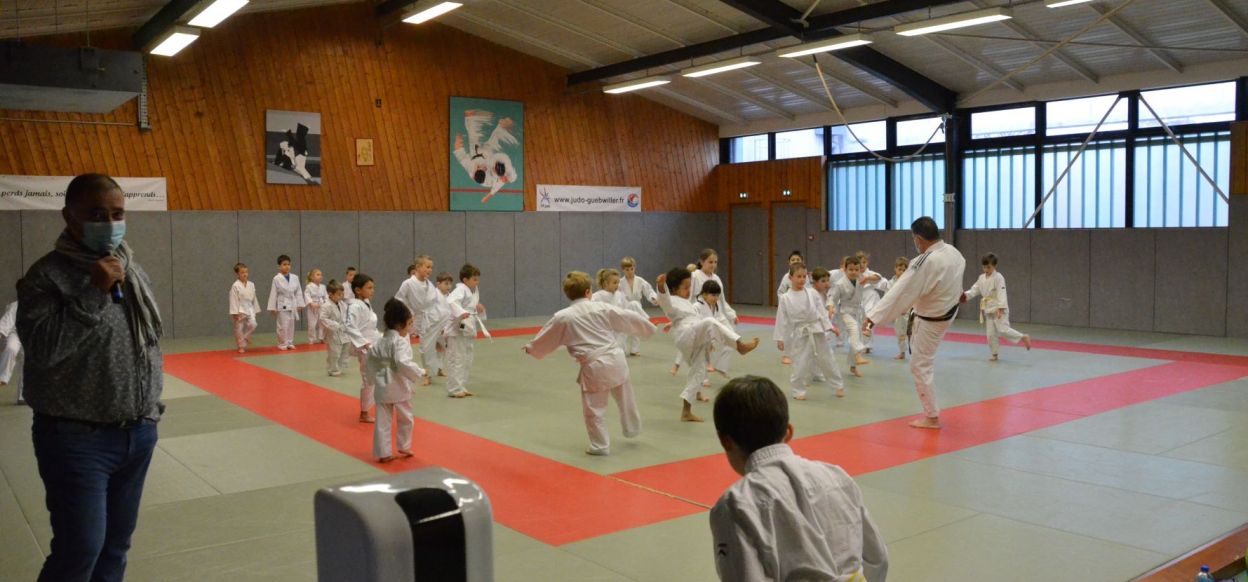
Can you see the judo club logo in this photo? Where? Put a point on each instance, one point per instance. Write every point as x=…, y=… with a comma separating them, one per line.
x=544, y=199
x=634, y=200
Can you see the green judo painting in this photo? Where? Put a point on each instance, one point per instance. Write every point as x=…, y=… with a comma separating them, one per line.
x=487, y=155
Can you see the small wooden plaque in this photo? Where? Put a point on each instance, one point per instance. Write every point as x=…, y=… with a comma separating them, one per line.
x=364, y=152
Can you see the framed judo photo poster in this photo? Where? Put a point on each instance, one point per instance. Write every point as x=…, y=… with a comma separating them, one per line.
x=292, y=147
x=487, y=155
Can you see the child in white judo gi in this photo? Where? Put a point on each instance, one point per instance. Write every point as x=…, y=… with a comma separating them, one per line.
x=347, y=292
x=609, y=292
x=243, y=307
x=334, y=329
x=285, y=301
x=846, y=295
x=392, y=370
x=802, y=327
x=588, y=330
x=636, y=290
x=420, y=294
x=694, y=333
x=994, y=306
x=362, y=332
x=441, y=314
x=902, y=324
x=871, y=293
x=711, y=304
x=10, y=346
x=315, y=294
x=467, y=318
x=788, y=518
x=794, y=257
x=702, y=272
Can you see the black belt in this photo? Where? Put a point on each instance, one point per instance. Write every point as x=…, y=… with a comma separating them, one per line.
x=952, y=313
x=122, y=424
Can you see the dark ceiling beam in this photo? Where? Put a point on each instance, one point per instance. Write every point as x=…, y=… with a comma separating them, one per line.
x=169, y=15
x=774, y=13
x=931, y=94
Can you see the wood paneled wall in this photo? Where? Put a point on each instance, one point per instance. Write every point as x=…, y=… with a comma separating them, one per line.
x=765, y=182
x=207, y=112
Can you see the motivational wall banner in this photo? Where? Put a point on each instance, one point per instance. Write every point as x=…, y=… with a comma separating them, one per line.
x=48, y=193
x=588, y=198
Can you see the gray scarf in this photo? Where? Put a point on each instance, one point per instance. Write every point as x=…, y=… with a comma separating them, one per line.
x=141, y=311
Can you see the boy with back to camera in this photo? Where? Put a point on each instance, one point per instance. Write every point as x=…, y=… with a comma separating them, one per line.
x=788, y=518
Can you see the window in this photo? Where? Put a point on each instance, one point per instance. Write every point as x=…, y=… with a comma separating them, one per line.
x=1169, y=190
x=919, y=189
x=1186, y=105
x=874, y=134
x=1082, y=115
x=916, y=131
x=750, y=148
x=999, y=187
x=1003, y=123
x=802, y=143
x=1094, y=193
x=856, y=194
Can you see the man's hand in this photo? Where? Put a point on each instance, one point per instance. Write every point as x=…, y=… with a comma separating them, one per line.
x=107, y=272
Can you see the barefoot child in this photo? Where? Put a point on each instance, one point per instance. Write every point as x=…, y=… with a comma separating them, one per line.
x=635, y=289
x=588, y=329
x=794, y=257
x=846, y=295
x=347, y=292
x=420, y=293
x=315, y=295
x=392, y=370
x=361, y=330
x=334, y=329
x=467, y=314
x=788, y=518
x=871, y=293
x=802, y=325
x=710, y=304
x=694, y=334
x=442, y=316
x=243, y=307
x=285, y=301
x=994, y=306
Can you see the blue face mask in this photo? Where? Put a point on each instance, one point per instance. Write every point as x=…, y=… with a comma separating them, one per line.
x=103, y=237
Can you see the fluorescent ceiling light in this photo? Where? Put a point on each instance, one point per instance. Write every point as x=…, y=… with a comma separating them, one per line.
x=721, y=66
x=215, y=11
x=419, y=16
x=823, y=46
x=174, y=40
x=1061, y=3
x=636, y=84
x=956, y=21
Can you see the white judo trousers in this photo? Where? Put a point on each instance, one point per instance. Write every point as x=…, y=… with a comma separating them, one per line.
x=315, y=333
x=401, y=413
x=924, y=340
x=695, y=343
x=460, y=350
x=998, y=327
x=8, y=357
x=594, y=406
x=632, y=343
x=244, y=326
x=338, y=354
x=902, y=325
x=811, y=353
x=851, y=331
x=286, y=327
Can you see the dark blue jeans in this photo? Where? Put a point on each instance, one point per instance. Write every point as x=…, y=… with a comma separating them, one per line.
x=93, y=477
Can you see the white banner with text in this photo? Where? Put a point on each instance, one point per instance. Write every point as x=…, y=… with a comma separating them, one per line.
x=588, y=198
x=48, y=193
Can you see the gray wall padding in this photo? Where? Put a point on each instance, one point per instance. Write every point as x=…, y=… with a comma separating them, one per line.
x=788, y=234
x=581, y=242
x=539, y=279
x=967, y=243
x=329, y=241
x=11, y=255
x=1237, y=269
x=150, y=235
x=443, y=236
x=492, y=249
x=1123, y=263
x=205, y=248
x=386, y=243
x=1059, y=277
x=40, y=229
x=1191, y=281
x=623, y=234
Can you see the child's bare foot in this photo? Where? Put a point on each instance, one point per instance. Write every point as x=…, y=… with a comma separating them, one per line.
x=1027, y=342
x=242, y=351
x=404, y=454
x=710, y=368
x=386, y=459
x=840, y=392
x=705, y=384
x=799, y=397
x=744, y=348
x=702, y=398
x=426, y=381
x=993, y=358
x=899, y=357
x=853, y=371
x=462, y=394
x=686, y=412
x=364, y=417
x=786, y=360
x=673, y=370
x=861, y=361
x=928, y=422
